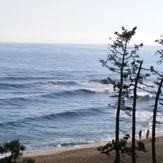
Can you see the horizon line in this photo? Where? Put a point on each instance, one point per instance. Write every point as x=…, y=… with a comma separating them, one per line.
x=10, y=42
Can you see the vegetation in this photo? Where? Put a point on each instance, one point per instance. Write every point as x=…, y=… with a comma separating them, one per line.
x=158, y=84
x=15, y=148
x=106, y=149
x=123, y=60
x=137, y=81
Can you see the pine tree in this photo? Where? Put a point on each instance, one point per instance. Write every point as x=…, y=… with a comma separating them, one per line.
x=122, y=59
x=159, y=84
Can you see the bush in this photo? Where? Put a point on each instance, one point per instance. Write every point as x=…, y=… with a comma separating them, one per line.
x=16, y=149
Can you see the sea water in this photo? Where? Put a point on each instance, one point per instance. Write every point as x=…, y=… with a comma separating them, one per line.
x=54, y=96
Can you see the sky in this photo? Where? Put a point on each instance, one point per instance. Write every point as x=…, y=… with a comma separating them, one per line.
x=79, y=21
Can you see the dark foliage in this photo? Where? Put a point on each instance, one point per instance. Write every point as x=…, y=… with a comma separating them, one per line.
x=15, y=148
x=123, y=60
x=158, y=99
x=122, y=145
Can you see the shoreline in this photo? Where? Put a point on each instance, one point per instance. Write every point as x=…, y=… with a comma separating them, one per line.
x=89, y=153
x=91, y=145
x=64, y=149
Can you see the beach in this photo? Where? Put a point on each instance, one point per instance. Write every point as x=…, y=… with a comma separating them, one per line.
x=48, y=103
x=90, y=154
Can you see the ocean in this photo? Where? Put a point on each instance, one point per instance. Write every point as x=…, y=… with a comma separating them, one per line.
x=53, y=96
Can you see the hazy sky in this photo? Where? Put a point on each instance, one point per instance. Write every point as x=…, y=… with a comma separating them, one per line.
x=79, y=21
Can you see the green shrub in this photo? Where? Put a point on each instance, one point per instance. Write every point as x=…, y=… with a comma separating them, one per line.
x=16, y=149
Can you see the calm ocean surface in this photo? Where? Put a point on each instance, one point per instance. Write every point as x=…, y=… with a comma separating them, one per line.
x=53, y=96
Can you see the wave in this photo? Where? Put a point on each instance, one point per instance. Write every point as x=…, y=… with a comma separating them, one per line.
x=77, y=92
x=21, y=99
x=75, y=88
x=61, y=82
x=22, y=78
x=69, y=93
x=10, y=85
x=144, y=96
x=55, y=116
x=53, y=83
x=71, y=144
x=101, y=81
x=16, y=101
x=72, y=114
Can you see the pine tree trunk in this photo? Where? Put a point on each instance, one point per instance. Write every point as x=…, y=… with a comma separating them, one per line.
x=134, y=114
x=117, y=159
x=154, y=122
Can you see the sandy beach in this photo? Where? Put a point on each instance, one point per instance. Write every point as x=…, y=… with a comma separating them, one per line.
x=90, y=154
